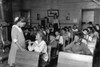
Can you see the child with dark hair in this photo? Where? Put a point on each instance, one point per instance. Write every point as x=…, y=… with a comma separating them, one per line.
x=53, y=43
x=65, y=37
x=77, y=46
x=59, y=38
x=75, y=29
x=70, y=34
x=90, y=24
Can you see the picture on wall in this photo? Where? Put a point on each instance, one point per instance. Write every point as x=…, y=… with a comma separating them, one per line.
x=52, y=12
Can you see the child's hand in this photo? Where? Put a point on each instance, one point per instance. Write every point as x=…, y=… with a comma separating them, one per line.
x=30, y=48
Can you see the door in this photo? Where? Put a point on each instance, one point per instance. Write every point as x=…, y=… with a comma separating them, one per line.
x=88, y=15
x=97, y=16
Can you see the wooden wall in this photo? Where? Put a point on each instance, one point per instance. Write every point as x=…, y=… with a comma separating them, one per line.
x=74, y=7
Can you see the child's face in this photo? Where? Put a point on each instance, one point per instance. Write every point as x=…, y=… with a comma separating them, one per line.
x=85, y=32
x=76, y=38
x=63, y=31
x=48, y=31
x=56, y=33
x=97, y=27
x=38, y=36
x=34, y=28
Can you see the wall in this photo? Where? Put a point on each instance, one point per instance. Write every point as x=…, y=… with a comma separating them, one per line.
x=16, y=7
x=73, y=7
x=88, y=15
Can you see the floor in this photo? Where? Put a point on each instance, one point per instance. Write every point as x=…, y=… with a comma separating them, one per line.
x=3, y=63
x=52, y=64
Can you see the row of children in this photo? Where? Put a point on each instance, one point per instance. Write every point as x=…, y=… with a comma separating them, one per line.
x=66, y=35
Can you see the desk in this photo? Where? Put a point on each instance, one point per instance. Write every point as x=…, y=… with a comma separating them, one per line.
x=91, y=46
x=74, y=60
x=26, y=59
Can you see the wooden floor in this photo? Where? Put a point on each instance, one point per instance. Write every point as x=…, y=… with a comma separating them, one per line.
x=4, y=64
x=52, y=64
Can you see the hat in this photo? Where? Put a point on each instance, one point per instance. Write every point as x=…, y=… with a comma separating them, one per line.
x=16, y=19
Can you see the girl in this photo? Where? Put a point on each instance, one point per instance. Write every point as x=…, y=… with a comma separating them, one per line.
x=40, y=46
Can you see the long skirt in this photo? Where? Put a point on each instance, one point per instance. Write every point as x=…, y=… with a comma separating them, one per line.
x=12, y=54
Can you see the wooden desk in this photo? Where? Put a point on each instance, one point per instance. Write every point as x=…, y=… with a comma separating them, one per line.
x=74, y=60
x=26, y=59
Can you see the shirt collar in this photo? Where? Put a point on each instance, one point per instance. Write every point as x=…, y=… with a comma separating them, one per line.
x=18, y=28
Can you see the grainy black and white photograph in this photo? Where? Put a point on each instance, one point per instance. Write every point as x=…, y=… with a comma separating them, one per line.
x=49, y=33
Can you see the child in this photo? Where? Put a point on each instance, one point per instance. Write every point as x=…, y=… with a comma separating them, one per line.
x=53, y=44
x=40, y=46
x=60, y=40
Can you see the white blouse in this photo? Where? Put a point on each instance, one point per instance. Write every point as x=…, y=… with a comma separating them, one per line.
x=40, y=47
x=60, y=39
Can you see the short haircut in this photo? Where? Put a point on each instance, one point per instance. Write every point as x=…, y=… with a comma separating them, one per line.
x=41, y=34
x=90, y=23
x=80, y=34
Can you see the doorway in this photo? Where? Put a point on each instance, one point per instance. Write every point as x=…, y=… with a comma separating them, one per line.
x=88, y=15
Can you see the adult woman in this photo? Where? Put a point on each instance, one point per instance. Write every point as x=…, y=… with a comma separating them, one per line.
x=40, y=46
x=18, y=40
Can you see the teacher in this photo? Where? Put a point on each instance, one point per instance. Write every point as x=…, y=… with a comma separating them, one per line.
x=18, y=40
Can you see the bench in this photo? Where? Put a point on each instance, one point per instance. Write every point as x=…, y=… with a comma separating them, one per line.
x=26, y=59
x=74, y=60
